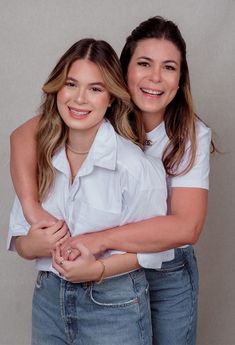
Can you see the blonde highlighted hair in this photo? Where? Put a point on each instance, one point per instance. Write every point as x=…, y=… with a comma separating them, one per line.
x=52, y=132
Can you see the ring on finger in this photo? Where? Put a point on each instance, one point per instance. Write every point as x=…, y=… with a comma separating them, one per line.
x=61, y=262
x=69, y=251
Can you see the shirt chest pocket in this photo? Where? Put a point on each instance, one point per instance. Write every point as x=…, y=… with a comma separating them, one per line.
x=90, y=218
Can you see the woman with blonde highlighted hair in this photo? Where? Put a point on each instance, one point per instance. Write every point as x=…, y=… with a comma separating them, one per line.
x=91, y=175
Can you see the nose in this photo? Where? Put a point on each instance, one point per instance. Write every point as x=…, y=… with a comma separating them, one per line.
x=155, y=75
x=80, y=96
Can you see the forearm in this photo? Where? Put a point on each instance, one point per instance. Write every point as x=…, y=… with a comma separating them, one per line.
x=152, y=235
x=23, y=162
x=120, y=263
x=183, y=226
x=24, y=248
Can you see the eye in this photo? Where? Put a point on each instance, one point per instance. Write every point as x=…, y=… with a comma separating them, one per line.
x=170, y=68
x=70, y=83
x=96, y=89
x=143, y=63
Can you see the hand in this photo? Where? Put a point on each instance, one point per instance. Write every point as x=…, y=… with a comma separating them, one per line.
x=93, y=241
x=42, y=238
x=84, y=268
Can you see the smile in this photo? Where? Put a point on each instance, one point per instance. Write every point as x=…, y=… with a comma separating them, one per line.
x=78, y=112
x=151, y=92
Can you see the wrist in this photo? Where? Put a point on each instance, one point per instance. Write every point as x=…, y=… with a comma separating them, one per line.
x=101, y=275
x=107, y=241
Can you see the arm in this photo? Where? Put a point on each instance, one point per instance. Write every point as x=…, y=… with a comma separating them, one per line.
x=23, y=166
x=41, y=239
x=188, y=206
x=87, y=268
x=183, y=226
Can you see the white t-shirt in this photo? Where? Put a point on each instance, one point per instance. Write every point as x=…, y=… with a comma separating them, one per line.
x=198, y=176
x=117, y=184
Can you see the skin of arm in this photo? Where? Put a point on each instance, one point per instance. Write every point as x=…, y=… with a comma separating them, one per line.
x=41, y=239
x=23, y=166
x=87, y=268
x=183, y=226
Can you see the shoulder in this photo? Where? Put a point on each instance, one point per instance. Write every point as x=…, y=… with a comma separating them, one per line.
x=203, y=132
x=132, y=161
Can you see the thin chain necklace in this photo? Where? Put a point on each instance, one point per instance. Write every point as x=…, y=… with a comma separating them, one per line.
x=77, y=152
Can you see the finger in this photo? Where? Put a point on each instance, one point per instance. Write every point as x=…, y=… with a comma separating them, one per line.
x=66, y=253
x=58, y=261
x=66, y=245
x=84, y=251
x=57, y=226
x=60, y=238
x=74, y=254
x=42, y=224
x=58, y=267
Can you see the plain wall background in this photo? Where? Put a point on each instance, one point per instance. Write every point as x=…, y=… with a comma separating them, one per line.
x=33, y=35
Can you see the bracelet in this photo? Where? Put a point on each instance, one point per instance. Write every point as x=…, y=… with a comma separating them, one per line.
x=101, y=278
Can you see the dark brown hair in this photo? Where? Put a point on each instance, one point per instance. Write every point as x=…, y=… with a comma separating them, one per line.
x=179, y=117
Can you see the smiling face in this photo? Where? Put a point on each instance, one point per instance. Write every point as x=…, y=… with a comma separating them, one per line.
x=153, y=77
x=83, y=100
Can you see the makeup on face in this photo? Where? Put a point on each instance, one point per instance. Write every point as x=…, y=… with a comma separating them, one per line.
x=153, y=77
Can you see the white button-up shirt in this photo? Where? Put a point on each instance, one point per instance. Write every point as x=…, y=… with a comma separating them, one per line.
x=116, y=184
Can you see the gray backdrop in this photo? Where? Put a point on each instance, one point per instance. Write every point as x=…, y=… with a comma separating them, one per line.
x=33, y=35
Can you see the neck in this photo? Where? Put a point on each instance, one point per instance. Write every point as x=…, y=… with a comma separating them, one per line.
x=81, y=142
x=151, y=121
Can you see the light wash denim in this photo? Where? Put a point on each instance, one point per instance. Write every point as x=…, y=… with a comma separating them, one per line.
x=173, y=299
x=115, y=312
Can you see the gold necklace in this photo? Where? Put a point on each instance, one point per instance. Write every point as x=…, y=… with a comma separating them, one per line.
x=77, y=152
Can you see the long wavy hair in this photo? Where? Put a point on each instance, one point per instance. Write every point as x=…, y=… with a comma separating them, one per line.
x=52, y=131
x=180, y=118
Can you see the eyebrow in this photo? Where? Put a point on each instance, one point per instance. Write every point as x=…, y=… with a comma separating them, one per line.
x=91, y=84
x=149, y=59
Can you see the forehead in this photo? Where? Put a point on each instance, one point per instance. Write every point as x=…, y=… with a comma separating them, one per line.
x=86, y=69
x=157, y=49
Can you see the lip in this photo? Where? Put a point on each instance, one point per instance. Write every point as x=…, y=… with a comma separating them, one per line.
x=79, y=113
x=150, y=92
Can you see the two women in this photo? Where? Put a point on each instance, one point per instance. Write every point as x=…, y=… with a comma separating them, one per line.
x=155, y=67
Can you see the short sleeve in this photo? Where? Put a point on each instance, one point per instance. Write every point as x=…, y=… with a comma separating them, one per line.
x=18, y=226
x=198, y=176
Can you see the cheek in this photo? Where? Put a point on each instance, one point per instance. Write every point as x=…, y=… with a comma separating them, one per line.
x=174, y=83
x=103, y=102
x=61, y=96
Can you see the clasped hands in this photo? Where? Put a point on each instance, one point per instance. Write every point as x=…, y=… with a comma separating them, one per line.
x=70, y=257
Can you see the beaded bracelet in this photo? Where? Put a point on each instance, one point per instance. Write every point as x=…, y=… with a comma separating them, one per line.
x=101, y=278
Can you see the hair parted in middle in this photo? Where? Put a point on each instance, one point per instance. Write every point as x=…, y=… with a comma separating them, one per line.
x=179, y=116
x=53, y=132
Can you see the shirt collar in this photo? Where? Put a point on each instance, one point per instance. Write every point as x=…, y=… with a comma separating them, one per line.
x=103, y=152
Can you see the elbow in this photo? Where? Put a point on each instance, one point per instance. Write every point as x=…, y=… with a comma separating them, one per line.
x=194, y=233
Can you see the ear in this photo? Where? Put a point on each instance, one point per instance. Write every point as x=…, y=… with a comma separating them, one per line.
x=111, y=100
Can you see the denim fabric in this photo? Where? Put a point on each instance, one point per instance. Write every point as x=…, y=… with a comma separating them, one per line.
x=117, y=311
x=173, y=299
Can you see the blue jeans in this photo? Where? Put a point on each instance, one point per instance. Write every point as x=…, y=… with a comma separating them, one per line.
x=173, y=299
x=117, y=311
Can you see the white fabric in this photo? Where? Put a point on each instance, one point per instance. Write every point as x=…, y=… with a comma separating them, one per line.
x=117, y=184
x=198, y=176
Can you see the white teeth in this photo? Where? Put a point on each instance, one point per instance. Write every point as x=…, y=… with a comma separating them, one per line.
x=152, y=92
x=79, y=113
